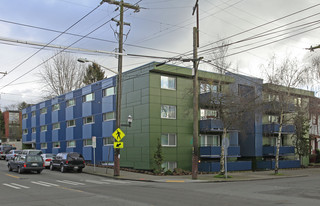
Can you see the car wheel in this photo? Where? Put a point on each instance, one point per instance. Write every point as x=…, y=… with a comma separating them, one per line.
x=19, y=170
x=79, y=170
x=62, y=169
x=10, y=168
x=51, y=167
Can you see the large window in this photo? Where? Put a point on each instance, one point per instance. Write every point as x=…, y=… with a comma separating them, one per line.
x=88, y=97
x=56, y=144
x=168, y=82
x=169, y=166
x=55, y=107
x=71, y=143
x=56, y=126
x=168, y=112
x=108, y=141
x=71, y=123
x=87, y=142
x=297, y=101
x=109, y=116
x=25, y=116
x=43, y=110
x=25, y=131
x=168, y=140
x=33, y=114
x=109, y=91
x=88, y=120
x=43, y=145
x=43, y=128
x=71, y=102
x=208, y=114
x=209, y=88
x=209, y=140
x=273, y=119
x=34, y=130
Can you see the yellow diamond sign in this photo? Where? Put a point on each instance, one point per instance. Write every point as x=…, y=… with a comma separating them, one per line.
x=118, y=135
x=118, y=145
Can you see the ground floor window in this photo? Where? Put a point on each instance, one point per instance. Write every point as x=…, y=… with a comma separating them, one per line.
x=87, y=142
x=43, y=145
x=56, y=144
x=71, y=143
x=209, y=140
x=169, y=166
x=168, y=140
x=108, y=141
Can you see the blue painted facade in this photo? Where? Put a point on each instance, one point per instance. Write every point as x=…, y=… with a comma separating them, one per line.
x=58, y=134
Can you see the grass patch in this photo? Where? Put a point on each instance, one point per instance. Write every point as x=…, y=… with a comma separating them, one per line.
x=221, y=176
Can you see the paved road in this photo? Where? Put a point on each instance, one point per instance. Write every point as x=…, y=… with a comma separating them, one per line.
x=71, y=189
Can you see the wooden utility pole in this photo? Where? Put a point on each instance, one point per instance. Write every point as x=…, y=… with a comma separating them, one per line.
x=195, y=149
x=120, y=23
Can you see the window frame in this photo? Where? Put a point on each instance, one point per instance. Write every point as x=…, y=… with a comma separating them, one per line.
x=44, y=110
x=86, y=118
x=54, y=126
x=166, y=165
x=68, y=123
x=42, y=145
x=42, y=128
x=168, y=135
x=106, y=142
x=34, y=130
x=25, y=131
x=164, y=78
x=33, y=113
x=86, y=143
x=105, y=92
x=168, y=113
x=56, y=143
x=85, y=99
x=205, y=137
x=71, y=105
x=56, y=107
x=70, y=146
x=25, y=116
x=105, y=116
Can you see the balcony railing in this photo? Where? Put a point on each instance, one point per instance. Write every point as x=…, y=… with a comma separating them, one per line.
x=215, y=151
x=271, y=150
x=273, y=128
x=275, y=106
x=211, y=125
x=210, y=98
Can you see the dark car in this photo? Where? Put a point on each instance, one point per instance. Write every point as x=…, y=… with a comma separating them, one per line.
x=26, y=163
x=68, y=161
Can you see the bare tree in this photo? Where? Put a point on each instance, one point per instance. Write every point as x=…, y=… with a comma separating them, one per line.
x=283, y=77
x=62, y=74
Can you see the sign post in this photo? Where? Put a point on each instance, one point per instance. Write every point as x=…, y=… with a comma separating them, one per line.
x=94, y=145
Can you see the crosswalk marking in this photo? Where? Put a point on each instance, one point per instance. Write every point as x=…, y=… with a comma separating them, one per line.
x=46, y=184
x=8, y=185
x=97, y=182
x=70, y=182
x=20, y=185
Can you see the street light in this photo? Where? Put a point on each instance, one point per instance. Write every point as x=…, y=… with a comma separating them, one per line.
x=84, y=60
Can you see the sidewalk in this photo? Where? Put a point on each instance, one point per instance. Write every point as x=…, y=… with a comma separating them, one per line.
x=235, y=176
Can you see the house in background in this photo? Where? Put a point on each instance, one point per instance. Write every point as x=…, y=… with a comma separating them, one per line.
x=12, y=128
x=314, y=114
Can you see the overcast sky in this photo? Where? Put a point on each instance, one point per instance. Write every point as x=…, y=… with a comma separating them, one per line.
x=161, y=28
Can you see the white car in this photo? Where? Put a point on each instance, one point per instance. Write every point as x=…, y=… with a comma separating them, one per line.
x=47, y=159
x=12, y=154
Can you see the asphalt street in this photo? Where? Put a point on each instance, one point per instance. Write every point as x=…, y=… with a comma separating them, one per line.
x=71, y=189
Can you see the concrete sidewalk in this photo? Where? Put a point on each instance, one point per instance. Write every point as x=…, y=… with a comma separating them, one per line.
x=235, y=176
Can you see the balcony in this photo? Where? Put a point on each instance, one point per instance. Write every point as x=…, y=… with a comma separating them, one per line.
x=215, y=151
x=211, y=125
x=208, y=99
x=273, y=128
x=275, y=107
x=271, y=150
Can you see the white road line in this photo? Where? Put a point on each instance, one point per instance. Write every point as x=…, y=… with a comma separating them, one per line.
x=18, y=188
x=97, y=182
x=22, y=186
x=70, y=182
x=117, y=181
x=46, y=184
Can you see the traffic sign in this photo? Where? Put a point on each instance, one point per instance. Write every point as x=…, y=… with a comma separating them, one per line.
x=94, y=142
x=118, y=134
x=118, y=145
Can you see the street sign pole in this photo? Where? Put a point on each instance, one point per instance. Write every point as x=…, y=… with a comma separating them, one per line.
x=94, y=145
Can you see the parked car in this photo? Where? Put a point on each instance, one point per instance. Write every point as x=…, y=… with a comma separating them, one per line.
x=31, y=151
x=68, y=161
x=4, y=149
x=26, y=163
x=12, y=154
x=47, y=158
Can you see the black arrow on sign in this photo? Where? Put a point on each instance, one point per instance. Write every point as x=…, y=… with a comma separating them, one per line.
x=118, y=145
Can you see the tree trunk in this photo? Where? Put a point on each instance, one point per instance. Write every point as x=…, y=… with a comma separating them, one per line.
x=276, y=167
x=222, y=163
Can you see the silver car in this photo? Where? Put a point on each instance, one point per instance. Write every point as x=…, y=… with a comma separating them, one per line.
x=47, y=157
x=12, y=154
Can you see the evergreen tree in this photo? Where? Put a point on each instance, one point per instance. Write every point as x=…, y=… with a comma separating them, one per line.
x=93, y=74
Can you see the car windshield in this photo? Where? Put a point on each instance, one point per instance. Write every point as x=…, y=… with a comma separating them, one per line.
x=74, y=155
x=34, y=158
x=36, y=152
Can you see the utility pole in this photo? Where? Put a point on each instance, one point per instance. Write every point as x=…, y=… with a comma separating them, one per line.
x=195, y=149
x=120, y=23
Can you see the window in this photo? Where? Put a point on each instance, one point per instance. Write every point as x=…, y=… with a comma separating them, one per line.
x=108, y=141
x=88, y=97
x=88, y=120
x=109, y=116
x=55, y=107
x=56, y=144
x=56, y=126
x=273, y=119
x=208, y=114
x=168, y=82
x=43, y=145
x=71, y=102
x=273, y=97
x=34, y=130
x=168, y=140
x=297, y=101
x=314, y=119
x=33, y=114
x=43, y=110
x=71, y=123
x=169, y=166
x=168, y=112
x=109, y=91
x=43, y=128
x=25, y=131
x=71, y=143
x=87, y=142
x=209, y=140
x=25, y=116
x=206, y=88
